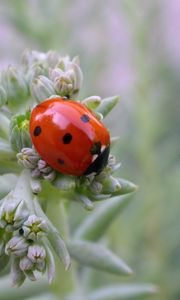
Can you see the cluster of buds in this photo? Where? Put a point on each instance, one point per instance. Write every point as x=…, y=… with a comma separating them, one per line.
x=13, y=87
x=22, y=240
x=19, y=131
x=51, y=74
x=40, y=76
x=30, y=159
x=67, y=77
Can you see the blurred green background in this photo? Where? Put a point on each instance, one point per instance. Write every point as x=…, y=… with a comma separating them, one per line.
x=131, y=48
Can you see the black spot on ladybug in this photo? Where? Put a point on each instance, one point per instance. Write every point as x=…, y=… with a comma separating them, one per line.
x=67, y=138
x=85, y=118
x=60, y=161
x=37, y=130
x=99, y=163
x=96, y=148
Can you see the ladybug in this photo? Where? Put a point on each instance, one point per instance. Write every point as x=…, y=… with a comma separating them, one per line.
x=69, y=137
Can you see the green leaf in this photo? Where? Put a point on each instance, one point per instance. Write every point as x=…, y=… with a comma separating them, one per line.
x=45, y=296
x=5, y=151
x=4, y=126
x=4, y=259
x=98, y=257
x=28, y=288
x=3, y=96
x=97, y=223
x=17, y=274
x=50, y=264
x=59, y=247
x=107, y=105
x=19, y=131
x=128, y=291
x=92, y=102
x=5, y=186
x=54, y=237
x=126, y=187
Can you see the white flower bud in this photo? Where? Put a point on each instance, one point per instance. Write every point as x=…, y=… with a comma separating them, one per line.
x=51, y=176
x=17, y=246
x=25, y=264
x=34, y=228
x=67, y=77
x=36, y=173
x=13, y=212
x=41, y=88
x=96, y=187
x=36, y=253
x=55, y=73
x=52, y=58
x=15, y=85
x=28, y=158
x=29, y=57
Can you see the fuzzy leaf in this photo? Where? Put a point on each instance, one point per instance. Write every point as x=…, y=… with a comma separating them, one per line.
x=4, y=259
x=50, y=265
x=107, y=105
x=17, y=275
x=5, y=187
x=92, y=102
x=118, y=292
x=126, y=187
x=28, y=288
x=5, y=151
x=54, y=237
x=59, y=247
x=4, y=125
x=96, y=224
x=98, y=257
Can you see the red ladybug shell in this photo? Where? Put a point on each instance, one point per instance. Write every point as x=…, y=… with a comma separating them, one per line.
x=69, y=137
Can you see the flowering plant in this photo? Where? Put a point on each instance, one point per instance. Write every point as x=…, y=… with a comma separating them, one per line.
x=36, y=199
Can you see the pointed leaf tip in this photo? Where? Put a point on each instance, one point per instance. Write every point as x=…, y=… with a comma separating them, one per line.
x=98, y=257
x=107, y=105
x=126, y=187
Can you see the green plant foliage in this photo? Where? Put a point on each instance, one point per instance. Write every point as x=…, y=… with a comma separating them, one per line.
x=98, y=257
x=95, y=225
x=131, y=292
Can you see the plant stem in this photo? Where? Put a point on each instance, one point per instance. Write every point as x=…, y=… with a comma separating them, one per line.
x=65, y=281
